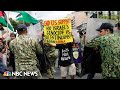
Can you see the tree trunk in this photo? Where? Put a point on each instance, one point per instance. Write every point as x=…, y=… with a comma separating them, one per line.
x=118, y=15
x=109, y=14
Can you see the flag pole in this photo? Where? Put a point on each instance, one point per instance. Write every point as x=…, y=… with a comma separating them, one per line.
x=8, y=34
x=7, y=25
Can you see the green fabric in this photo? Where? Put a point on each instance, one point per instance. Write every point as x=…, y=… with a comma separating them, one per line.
x=2, y=20
x=27, y=17
x=110, y=54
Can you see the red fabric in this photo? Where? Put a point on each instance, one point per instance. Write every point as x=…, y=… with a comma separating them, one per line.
x=1, y=13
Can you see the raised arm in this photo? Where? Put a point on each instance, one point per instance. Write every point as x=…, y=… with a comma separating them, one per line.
x=52, y=44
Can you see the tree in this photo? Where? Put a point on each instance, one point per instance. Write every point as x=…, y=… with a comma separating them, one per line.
x=109, y=14
x=16, y=23
x=118, y=15
x=21, y=22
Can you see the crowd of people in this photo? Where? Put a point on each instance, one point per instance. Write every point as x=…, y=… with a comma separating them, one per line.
x=100, y=55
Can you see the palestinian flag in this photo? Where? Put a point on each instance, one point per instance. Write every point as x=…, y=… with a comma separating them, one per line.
x=26, y=17
x=19, y=17
x=5, y=21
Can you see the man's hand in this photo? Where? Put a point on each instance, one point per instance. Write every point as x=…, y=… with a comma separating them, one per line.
x=52, y=44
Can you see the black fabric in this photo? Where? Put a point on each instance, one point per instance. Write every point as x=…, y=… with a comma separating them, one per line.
x=12, y=60
x=91, y=61
x=65, y=49
x=43, y=60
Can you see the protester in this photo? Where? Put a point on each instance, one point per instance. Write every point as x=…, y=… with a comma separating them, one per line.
x=25, y=50
x=66, y=59
x=12, y=36
x=3, y=64
x=11, y=55
x=3, y=59
x=3, y=48
x=77, y=57
x=110, y=51
x=3, y=67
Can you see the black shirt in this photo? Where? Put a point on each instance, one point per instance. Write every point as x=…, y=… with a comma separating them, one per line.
x=65, y=54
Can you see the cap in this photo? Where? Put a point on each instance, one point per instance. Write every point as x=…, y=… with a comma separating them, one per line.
x=21, y=27
x=105, y=26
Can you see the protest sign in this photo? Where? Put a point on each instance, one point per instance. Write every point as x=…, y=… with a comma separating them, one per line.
x=58, y=31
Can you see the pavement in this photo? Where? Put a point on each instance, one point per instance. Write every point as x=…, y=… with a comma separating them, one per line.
x=57, y=75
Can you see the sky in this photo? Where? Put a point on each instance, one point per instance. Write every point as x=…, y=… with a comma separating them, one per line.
x=45, y=15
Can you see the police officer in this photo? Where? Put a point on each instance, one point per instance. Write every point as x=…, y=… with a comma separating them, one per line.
x=25, y=49
x=50, y=57
x=109, y=49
